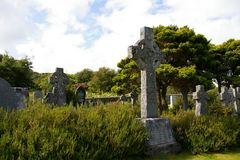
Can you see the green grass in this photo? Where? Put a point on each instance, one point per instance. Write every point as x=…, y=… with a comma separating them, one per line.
x=228, y=155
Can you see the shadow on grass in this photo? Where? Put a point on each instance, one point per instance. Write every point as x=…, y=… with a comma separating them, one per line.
x=233, y=154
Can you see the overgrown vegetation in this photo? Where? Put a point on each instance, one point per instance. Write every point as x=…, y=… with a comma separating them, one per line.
x=42, y=132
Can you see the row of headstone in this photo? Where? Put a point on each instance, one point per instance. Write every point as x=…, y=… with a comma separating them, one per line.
x=12, y=97
x=229, y=98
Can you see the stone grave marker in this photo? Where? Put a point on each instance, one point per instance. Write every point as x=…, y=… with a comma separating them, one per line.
x=226, y=96
x=80, y=94
x=236, y=99
x=59, y=80
x=147, y=55
x=9, y=99
x=201, y=100
x=133, y=96
x=37, y=96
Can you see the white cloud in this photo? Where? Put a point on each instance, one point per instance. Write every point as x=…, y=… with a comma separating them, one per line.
x=60, y=40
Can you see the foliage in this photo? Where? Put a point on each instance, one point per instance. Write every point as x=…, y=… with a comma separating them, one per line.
x=211, y=133
x=127, y=78
x=39, y=132
x=180, y=123
x=186, y=55
x=41, y=81
x=207, y=133
x=232, y=154
x=84, y=76
x=102, y=80
x=17, y=72
x=215, y=106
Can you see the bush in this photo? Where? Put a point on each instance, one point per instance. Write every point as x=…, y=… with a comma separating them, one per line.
x=180, y=125
x=39, y=132
x=208, y=133
x=215, y=106
x=212, y=133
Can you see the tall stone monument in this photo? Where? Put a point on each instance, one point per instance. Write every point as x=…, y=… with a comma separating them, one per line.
x=201, y=100
x=59, y=80
x=147, y=55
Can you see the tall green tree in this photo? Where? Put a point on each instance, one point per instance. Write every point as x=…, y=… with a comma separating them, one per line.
x=225, y=63
x=84, y=76
x=17, y=72
x=102, y=80
x=187, y=54
x=127, y=78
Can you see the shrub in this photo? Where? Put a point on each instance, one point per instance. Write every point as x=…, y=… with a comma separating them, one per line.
x=180, y=125
x=212, y=133
x=39, y=132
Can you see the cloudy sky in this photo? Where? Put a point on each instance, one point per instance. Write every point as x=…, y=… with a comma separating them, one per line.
x=78, y=34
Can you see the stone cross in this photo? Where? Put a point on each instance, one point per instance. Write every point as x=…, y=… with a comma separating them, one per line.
x=201, y=100
x=236, y=99
x=225, y=96
x=59, y=80
x=147, y=55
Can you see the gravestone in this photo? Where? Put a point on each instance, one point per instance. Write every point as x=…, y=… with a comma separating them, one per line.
x=80, y=94
x=133, y=96
x=236, y=100
x=59, y=80
x=147, y=55
x=201, y=100
x=226, y=96
x=9, y=99
x=37, y=96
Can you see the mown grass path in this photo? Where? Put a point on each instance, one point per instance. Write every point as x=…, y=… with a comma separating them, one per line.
x=228, y=155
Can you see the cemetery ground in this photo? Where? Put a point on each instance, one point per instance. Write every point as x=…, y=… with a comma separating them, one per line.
x=112, y=131
x=232, y=154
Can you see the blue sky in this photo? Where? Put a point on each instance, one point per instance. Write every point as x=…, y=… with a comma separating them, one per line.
x=78, y=34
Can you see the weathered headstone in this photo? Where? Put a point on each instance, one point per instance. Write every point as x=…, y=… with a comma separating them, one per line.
x=59, y=80
x=80, y=94
x=226, y=97
x=201, y=100
x=172, y=100
x=37, y=96
x=133, y=96
x=147, y=55
x=236, y=99
x=123, y=98
x=9, y=99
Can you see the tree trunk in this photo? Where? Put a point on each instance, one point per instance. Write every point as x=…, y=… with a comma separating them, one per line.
x=219, y=85
x=159, y=98
x=185, y=100
x=164, y=93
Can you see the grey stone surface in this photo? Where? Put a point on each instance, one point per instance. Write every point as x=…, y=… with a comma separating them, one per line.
x=161, y=138
x=123, y=98
x=226, y=96
x=236, y=99
x=9, y=99
x=59, y=80
x=147, y=56
x=80, y=94
x=37, y=96
x=201, y=100
x=133, y=96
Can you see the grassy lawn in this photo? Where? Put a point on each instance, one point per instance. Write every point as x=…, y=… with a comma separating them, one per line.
x=228, y=155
